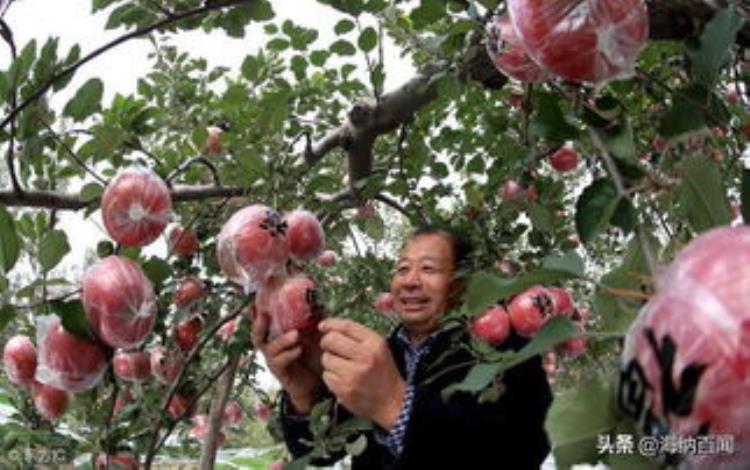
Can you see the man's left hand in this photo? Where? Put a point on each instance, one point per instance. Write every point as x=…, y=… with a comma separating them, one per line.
x=359, y=369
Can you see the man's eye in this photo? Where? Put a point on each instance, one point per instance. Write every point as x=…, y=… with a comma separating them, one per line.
x=402, y=269
x=429, y=269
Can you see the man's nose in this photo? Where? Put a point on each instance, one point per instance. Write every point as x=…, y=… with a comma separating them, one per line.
x=412, y=278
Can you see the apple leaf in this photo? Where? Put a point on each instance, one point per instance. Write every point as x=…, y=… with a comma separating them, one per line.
x=73, y=318
x=7, y=313
x=10, y=243
x=702, y=195
x=576, y=419
x=52, y=249
x=86, y=101
x=712, y=51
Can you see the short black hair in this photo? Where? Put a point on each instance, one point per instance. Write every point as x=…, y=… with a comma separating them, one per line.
x=460, y=242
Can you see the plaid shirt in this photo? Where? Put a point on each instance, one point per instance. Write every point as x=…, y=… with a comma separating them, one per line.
x=394, y=439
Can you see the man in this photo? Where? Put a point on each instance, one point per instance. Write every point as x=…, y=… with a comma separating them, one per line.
x=386, y=380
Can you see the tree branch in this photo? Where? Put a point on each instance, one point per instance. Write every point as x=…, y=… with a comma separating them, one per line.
x=184, y=167
x=7, y=35
x=72, y=154
x=216, y=414
x=207, y=7
x=62, y=201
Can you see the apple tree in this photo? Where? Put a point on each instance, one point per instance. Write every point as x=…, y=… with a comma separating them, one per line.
x=578, y=182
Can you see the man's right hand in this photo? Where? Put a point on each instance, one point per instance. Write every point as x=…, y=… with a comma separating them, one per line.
x=285, y=360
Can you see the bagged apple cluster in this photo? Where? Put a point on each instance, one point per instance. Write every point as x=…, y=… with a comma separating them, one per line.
x=527, y=313
x=686, y=361
x=254, y=248
x=592, y=41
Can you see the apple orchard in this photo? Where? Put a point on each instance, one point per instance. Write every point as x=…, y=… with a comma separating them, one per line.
x=592, y=149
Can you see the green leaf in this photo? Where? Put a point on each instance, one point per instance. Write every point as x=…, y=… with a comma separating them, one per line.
x=745, y=196
x=368, y=39
x=343, y=48
x=157, y=270
x=358, y=446
x=479, y=377
x=576, y=419
x=713, y=50
x=91, y=192
x=343, y=26
x=549, y=122
x=541, y=217
x=73, y=318
x=694, y=108
x=569, y=262
x=86, y=101
x=428, y=12
x=7, y=313
x=52, y=249
x=596, y=208
x=97, y=5
x=10, y=243
x=702, y=194
x=485, y=289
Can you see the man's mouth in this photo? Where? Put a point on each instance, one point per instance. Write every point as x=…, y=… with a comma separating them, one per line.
x=413, y=303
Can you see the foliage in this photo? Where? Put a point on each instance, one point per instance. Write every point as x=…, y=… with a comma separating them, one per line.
x=662, y=153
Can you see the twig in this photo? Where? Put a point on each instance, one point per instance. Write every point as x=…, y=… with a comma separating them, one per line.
x=620, y=186
x=208, y=453
x=184, y=167
x=154, y=447
x=207, y=7
x=70, y=152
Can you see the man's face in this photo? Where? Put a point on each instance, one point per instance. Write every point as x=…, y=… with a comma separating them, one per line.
x=423, y=283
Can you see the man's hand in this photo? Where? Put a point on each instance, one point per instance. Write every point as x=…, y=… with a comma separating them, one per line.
x=359, y=369
x=296, y=372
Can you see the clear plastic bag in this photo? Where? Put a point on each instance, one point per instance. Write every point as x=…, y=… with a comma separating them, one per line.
x=65, y=361
x=291, y=303
x=119, y=301
x=253, y=246
x=136, y=207
x=591, y=41
x=686, y=362
x=305, y=234
x=509, y=55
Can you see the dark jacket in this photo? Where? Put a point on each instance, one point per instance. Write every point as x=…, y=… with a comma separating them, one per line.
x=507, y=433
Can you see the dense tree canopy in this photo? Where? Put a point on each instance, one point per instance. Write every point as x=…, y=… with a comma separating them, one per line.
x=305, y=123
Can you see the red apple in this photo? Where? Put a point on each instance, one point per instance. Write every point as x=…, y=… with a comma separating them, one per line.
x=493, y=326
x=165, y=364
x=582, y=40
x=119, y=301
x=252, y=246
x=19, y=359
x=511, y=190
x=228, y=329
x=121, y=461
x=182, y=241
x=187, y=333
x=133, y=366
x=178, y=407
x=305, y=234
x=562, y=301
x=262, y=411
x=66, y=361
x=291, y=304
x=385, y=303
x=49, y=401
x=530, y=310
x=509, y=55
x=188, y=291
x=327, y=259
x=564, y=159
x=233, y=413
x=136, y=207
